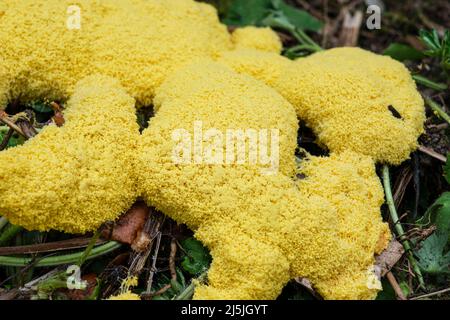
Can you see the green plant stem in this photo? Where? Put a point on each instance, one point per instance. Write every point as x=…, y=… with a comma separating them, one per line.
x=429, y=83
x=304, y=39
x=301, y=47
x=398, y=226
x=437, y=108
x=89, y=248
x=10, y=232
x=59, y=260
x=3, y=222
x=188, y=292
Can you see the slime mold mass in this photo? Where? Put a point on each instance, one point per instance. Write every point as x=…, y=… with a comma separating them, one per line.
x=262, y=230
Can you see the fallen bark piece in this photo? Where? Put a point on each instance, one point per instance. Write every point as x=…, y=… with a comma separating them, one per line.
x=129, y=226
x=389, y=257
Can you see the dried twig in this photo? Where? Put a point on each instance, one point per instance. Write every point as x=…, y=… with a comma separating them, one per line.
x=9, y=295
x=6, y=138
x=48, y=247
x=432, y=153
x=173, y=253
x=395, y=286
x=5, y=119
x=24, y=121
x=401, y=184
x=148, y=296
x=151, y=229
x=428, y=295
x=153, y=269
x=438, y=127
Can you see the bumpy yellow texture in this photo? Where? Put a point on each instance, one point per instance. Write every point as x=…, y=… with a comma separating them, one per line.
x=344, y=95
x=125, y=296
x=262, y=229
x=138, y=42
x=78, y=176
x=263, y=39
x=125, y=290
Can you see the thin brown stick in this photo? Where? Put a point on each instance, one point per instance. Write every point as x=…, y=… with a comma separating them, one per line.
x=5, y=119
x=401, y=185
x=395, y=286
x=148, y=296
x=438, y=127
x=432, y=153
x=6, y=139
x=48, y=247
x=428, y=295
x=173, y=253
x=153, y=267
x=150, y=231
x=9, y=295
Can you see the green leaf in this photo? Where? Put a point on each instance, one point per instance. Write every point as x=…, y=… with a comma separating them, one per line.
x=299, y=18
x=40, y=106
x=15, y=140
x=431, y=257
x=388, y=293
x=256, y=12
x=405, y=288
x=247, y=12
x=431, y=40
x=178, y=287
x=277, y=19
x=437, y=47
x=438, y=214
x=221, y=5
x=402, y=52
x=197, y=257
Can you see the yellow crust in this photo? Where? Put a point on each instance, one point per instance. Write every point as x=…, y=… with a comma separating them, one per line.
x=262, y=229
x=344, y=95
x=78, y=176
x=125, y=296
x=138, y=42
x=255, y=225
x=263, y=39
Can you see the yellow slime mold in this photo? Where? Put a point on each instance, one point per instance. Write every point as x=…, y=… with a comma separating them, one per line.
x=263, y=227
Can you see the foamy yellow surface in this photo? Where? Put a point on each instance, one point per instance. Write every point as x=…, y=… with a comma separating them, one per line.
x=344, y=95
x=262, y=230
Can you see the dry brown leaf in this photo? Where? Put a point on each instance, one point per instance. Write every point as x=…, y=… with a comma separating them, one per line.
x=130, y=225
